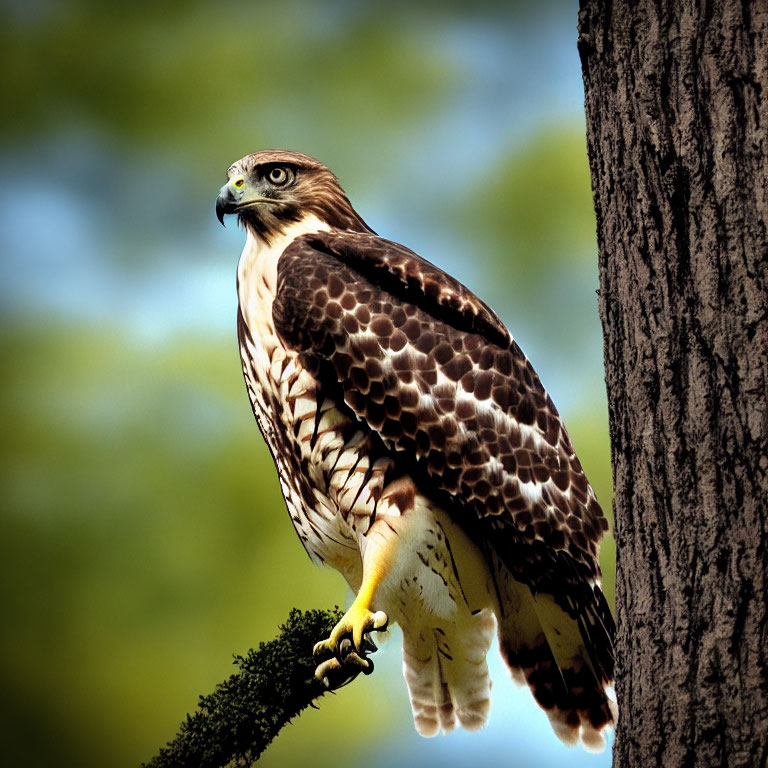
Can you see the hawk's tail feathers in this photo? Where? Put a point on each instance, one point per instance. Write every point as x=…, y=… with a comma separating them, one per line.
x=447, y=675
x=577, y=706
x=568, y=675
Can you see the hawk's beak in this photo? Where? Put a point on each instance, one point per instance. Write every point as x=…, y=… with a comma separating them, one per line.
x=228, y=200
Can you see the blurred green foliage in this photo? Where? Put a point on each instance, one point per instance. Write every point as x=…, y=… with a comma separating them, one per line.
x=144, y=539
x=201, y=81
x=538, y=198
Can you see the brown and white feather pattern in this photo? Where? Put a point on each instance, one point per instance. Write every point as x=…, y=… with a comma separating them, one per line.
x=400, y=413
x=337, y=479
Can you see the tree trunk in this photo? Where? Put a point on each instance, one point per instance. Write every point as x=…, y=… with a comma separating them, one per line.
x=677, y=131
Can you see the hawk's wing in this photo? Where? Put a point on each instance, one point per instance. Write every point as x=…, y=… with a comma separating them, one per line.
x=433, y=371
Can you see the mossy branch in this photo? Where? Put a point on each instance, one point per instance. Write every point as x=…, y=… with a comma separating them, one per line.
x=236, y=723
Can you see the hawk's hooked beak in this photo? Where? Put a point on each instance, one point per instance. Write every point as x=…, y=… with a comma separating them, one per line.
x=237, y=195
x=230, y=197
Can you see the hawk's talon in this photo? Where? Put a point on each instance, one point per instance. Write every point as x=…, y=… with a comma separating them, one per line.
x=334, y=674
x=343, y=655
x=323, y=651
x=345, y=648
x=368, y=646
x=353, y=627
x=380, y=621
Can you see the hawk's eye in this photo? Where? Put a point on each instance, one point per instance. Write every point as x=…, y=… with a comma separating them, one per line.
x=280, y=176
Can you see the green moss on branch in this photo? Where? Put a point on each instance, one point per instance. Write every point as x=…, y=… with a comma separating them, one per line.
x=235, y=724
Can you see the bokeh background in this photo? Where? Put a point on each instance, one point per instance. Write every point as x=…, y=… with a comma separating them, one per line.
x=143, y=539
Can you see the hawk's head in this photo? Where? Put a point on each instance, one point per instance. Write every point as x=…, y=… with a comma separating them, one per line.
x=272, y=189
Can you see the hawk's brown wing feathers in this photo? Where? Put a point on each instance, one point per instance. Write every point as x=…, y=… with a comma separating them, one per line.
x=433, y=371
x=407, y=276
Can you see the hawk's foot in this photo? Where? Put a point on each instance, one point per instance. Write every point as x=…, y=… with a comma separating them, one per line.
x=344, y=655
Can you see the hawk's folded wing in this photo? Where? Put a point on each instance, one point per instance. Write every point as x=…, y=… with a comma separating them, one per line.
x=427, y=366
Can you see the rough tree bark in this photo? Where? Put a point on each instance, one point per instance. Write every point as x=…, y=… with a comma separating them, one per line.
x=677, y=132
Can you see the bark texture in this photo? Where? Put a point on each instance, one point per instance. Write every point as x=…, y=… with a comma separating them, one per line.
x=677, y=119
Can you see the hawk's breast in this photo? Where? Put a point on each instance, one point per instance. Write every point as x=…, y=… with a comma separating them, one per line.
x=330, y=480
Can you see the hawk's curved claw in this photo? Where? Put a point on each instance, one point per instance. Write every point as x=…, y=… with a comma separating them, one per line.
x=368, y=646
x=343, y=656
x=334, y=674
x=345, y=648
x=355, y=625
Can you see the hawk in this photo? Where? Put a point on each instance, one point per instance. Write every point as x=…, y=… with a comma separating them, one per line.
x=420, y=456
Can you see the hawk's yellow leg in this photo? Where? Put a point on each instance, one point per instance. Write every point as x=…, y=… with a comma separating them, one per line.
x=360, y=619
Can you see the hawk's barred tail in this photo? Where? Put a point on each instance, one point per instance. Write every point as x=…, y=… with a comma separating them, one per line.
x=567, y=662
x=447, y=674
